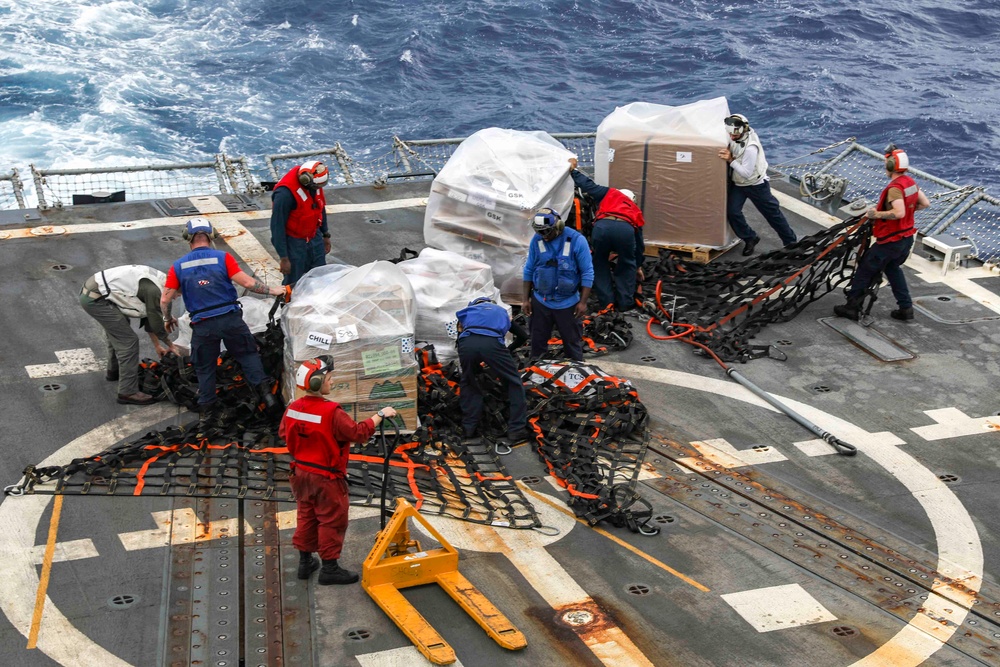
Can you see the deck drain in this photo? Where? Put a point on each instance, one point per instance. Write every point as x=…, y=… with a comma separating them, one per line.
x=358, y=634
x=822, y=389
x=648, y=359
x=637, y=589
x=783, y=343
x=761, y=448
x=168, y=239
x=664, y=518
x=61, y=267
x=123, y=601
x=577, y=617
x=948, y=478
x=52, y=387
x=944, y=298
x=375, y=221
x=531, y=479
x=844, y=631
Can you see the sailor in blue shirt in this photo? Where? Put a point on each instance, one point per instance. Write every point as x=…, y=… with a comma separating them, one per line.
x=558, y=275
x=483, y=325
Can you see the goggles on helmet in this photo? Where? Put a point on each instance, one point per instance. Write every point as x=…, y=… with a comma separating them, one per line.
x=545, y=220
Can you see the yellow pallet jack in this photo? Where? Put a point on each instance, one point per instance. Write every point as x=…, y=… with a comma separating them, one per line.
x=397, y=561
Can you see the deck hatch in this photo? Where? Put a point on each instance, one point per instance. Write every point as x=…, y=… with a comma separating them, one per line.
x=868, y=339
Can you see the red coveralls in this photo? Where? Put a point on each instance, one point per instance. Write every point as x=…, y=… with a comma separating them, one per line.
x=320, y=433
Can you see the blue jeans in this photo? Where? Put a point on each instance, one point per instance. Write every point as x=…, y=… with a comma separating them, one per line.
x=887, y=258
x=473, y=350
x=570, y=329
x=303, y=255
x=205, y=338
x=763, y=201
x=614, y=236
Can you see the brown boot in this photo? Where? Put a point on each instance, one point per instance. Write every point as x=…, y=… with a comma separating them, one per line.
x=138, y=398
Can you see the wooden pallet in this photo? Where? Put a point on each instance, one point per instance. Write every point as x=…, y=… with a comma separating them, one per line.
x=699, y=254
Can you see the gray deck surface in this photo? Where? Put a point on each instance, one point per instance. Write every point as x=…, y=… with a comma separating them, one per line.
x=675, y=623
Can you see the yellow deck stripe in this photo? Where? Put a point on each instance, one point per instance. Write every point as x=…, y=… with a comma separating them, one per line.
x=43, y=582
x=617, y=540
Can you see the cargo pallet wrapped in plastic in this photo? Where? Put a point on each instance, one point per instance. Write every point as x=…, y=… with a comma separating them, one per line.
x=669, y=156
x=482, y=200
x=364, y=319
x=443, y=283
x=256, y=313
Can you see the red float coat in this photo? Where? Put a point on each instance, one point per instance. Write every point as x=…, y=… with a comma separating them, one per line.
x=307, y=216
x=319, y=435
x=887, y=231
x=617, y=205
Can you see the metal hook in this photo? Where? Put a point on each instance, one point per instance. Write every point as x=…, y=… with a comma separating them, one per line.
x=648, y=531
x=550, y=531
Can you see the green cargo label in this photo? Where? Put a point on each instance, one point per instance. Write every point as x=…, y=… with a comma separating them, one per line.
x=383, y=360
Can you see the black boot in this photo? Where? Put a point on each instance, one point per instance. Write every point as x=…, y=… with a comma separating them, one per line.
x=208, y=417
x=903, y=314
x=749, y=245
x=271, y=402
x=850, y=310
x=307, y=564
x=332, y=573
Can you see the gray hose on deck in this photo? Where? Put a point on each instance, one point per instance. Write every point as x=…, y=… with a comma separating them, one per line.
x=840, y=446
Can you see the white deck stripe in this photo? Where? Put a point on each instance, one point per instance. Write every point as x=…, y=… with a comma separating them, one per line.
x=960, y=551
x=415, y=202
x=59, y=639
x=71, y=362
x=66, y=551
x=406, y=656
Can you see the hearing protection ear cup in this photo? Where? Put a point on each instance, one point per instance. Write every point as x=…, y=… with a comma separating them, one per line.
x=305, y=179
x=316, y=381
x=890, y=163
x=187, y=237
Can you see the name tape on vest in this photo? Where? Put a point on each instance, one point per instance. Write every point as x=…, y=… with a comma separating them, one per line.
x=304, y=416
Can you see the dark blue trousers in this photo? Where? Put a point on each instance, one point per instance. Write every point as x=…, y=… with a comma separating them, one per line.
x=570, y=330
x=887, y=258
x=205, y=338
x=764, y=202
x=619, y=237
x=474, y=350
x=303, y=255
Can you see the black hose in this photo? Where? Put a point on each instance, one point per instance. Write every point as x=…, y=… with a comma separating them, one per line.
x=386, y=456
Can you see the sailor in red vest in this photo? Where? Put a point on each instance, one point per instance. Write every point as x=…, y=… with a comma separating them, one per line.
x=299, y=231
x=894, y=229
x=319, y=435
x=618, y=225
x=205, y=277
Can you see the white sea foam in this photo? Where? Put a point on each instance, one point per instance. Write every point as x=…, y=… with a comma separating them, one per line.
x=406, y=56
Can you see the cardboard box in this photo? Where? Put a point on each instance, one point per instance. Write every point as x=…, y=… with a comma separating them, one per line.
x=681, y=187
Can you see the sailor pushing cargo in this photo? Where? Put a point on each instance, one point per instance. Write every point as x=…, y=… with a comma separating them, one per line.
x=749, y=180
x=558, y=276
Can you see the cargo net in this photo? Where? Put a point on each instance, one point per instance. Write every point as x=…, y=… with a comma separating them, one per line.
x=239, y=455
x=719, y=307
x=588, y=428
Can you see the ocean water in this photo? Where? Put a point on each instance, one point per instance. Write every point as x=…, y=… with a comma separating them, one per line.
x=98, y=83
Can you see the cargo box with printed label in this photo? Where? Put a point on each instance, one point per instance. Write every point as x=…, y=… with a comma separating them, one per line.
x=669, y=156
x=363, y=318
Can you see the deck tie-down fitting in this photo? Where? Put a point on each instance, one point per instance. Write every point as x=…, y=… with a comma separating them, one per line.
x=397, y=561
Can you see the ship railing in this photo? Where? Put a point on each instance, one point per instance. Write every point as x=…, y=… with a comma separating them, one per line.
x=407, y=159
x=11, y=191
x=964, y=212
x=56, y=188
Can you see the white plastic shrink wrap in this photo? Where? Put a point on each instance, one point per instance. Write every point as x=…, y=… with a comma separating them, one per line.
x=443, y=283
x=483, y=199
x=669, y=156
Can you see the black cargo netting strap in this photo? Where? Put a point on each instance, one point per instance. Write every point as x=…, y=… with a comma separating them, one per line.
x=723, y=305
x=591, y=432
